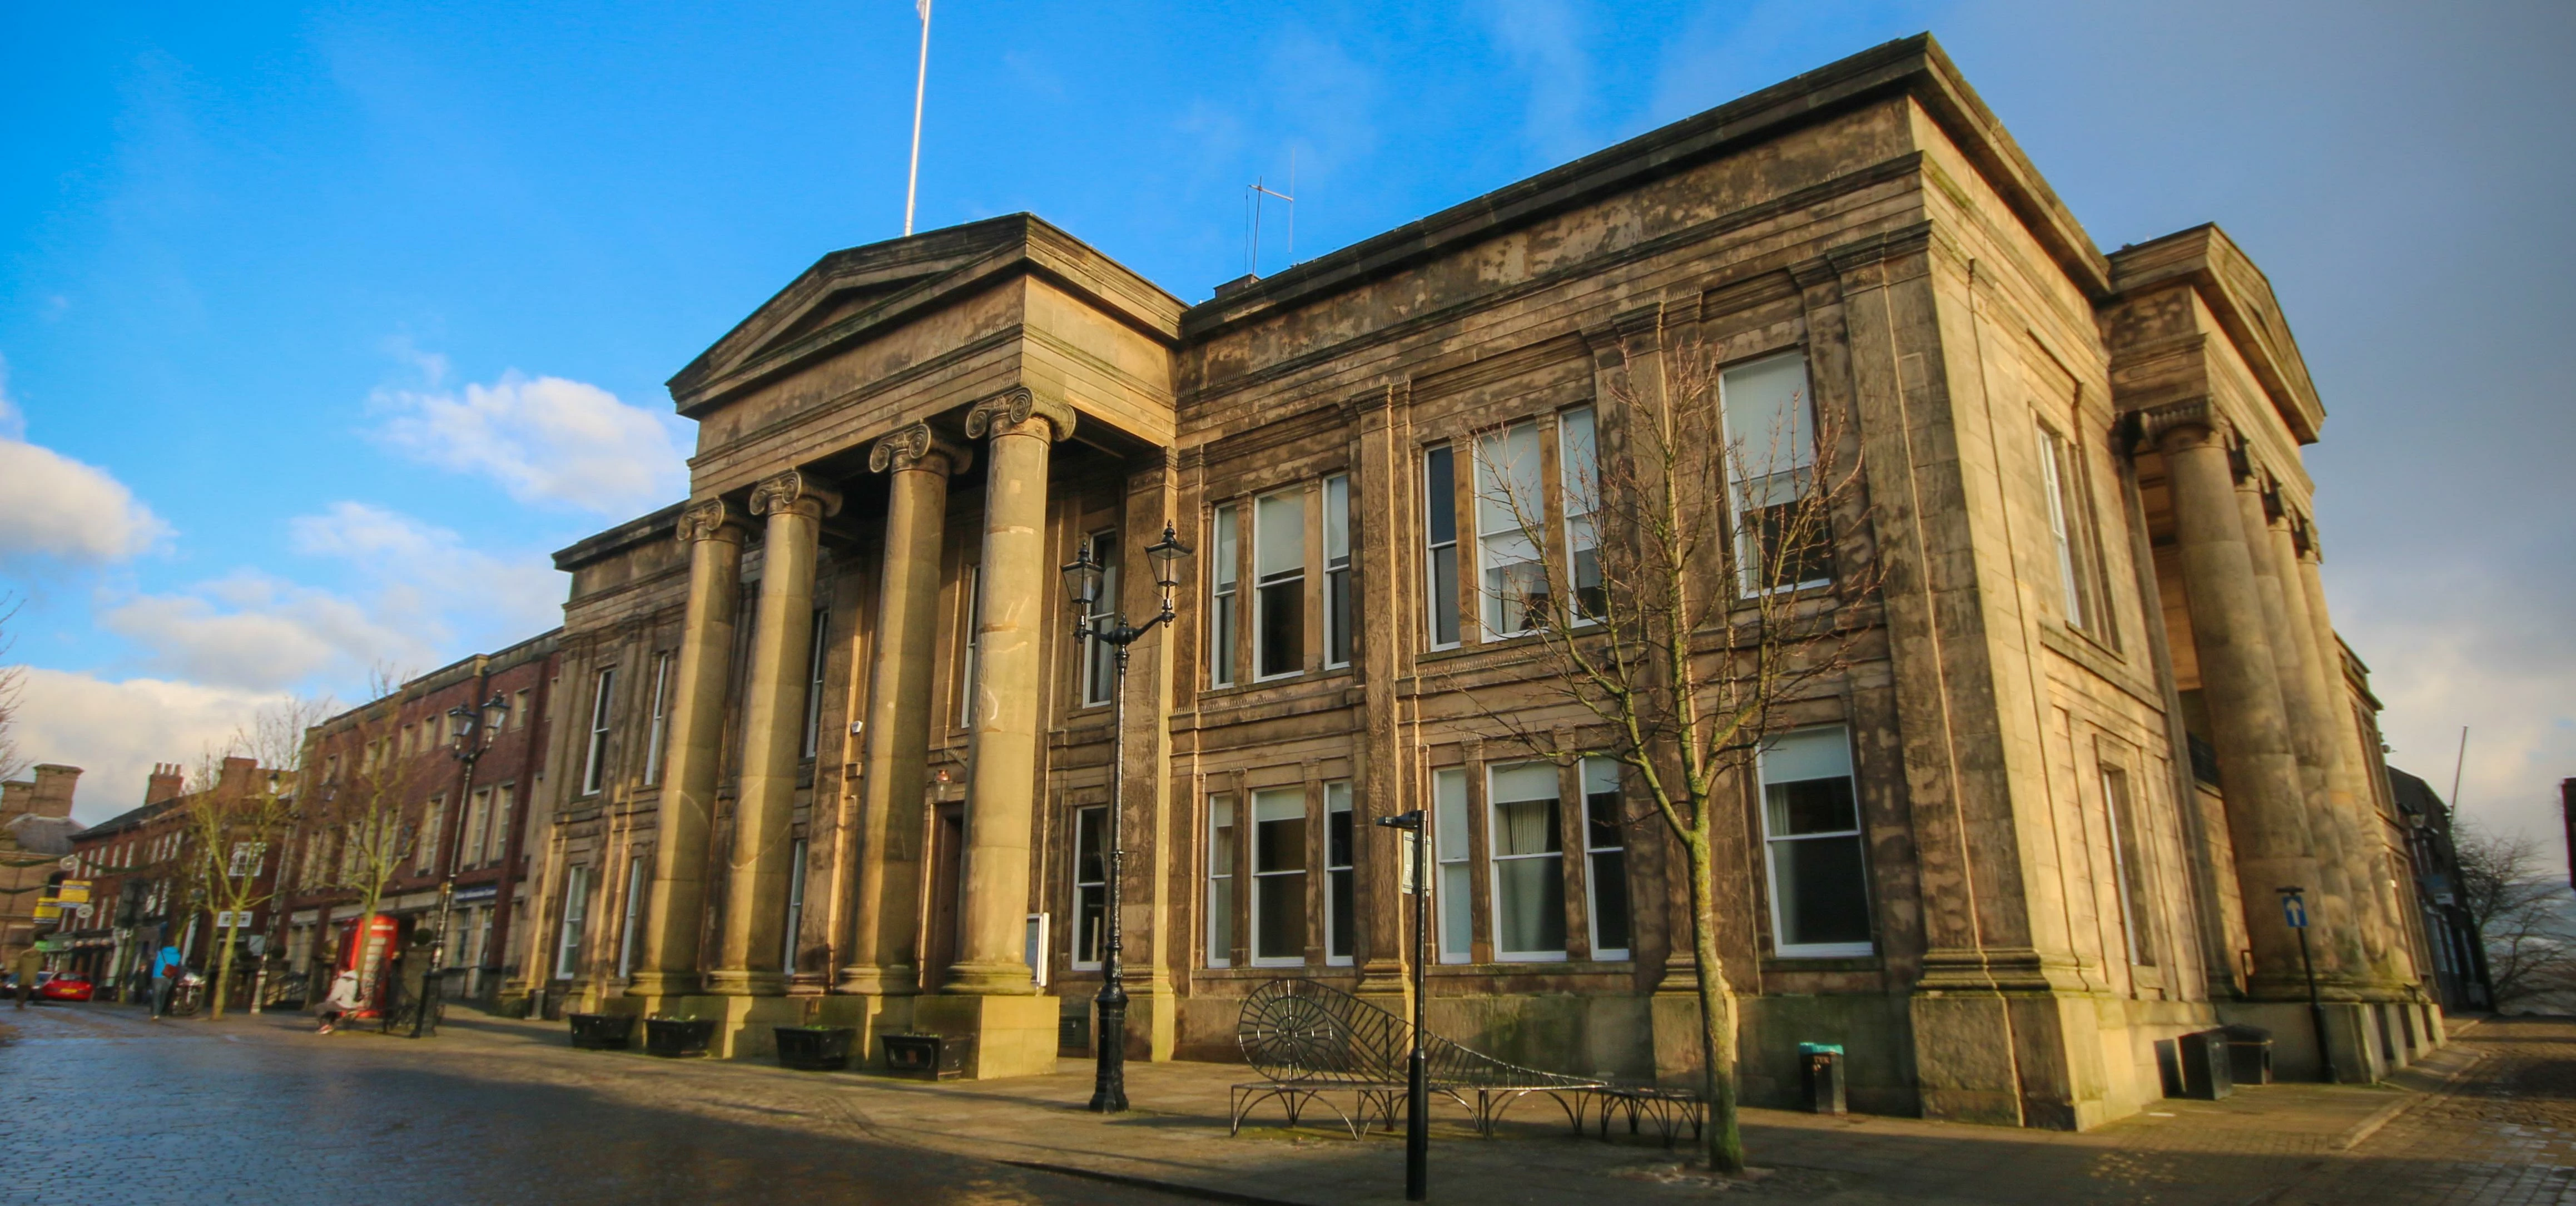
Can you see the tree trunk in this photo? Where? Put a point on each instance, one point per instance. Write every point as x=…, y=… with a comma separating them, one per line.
x=1716, y=1013
x=223, y=972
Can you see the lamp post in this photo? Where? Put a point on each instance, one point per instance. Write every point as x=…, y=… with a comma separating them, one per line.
x=470, y=733
x=1082, y=583
x=2294, y=910
x=1417, y=1078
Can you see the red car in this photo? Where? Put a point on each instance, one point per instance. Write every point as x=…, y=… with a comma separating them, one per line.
x=66, y=986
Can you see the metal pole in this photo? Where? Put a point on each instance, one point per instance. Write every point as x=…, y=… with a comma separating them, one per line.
x=1417, y=1081
x=2316, y=1008
x=920, y=84
x=1109, y=1080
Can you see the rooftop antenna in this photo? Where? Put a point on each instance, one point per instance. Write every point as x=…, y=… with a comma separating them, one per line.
x=1254, y=193
x=2462, y=761
x=920, y=84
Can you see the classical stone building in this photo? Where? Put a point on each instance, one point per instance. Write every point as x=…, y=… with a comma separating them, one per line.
x=833, y=754
x=35, y=830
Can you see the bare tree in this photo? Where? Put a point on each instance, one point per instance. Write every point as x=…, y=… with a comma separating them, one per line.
x=2522, y=916
x=234, y=828
x=1682, y=589
x=357, y=791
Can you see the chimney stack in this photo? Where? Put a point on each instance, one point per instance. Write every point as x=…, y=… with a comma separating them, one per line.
x=165, y=784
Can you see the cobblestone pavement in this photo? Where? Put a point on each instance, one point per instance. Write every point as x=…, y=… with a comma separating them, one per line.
x=99, y=1105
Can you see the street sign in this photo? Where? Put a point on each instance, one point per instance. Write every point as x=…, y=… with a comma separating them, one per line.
x=2295, y=911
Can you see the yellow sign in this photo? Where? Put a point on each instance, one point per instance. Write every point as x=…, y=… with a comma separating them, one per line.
x=73, y=891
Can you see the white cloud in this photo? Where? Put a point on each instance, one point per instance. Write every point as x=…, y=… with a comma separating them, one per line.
x=426, y=597
x=544, y=439
x=52, y=506
x=115, y=731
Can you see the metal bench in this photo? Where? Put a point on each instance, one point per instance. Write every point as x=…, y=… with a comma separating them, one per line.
x=1312, y=1042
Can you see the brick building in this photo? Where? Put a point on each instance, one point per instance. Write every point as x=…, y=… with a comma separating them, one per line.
x=148, y=885
x=35, y=832
x=831, y=752
x=455, y=830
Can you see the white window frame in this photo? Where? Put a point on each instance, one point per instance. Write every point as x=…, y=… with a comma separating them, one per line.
x=1578, y=441
x=1496, y=861
x=1592, y=856
x=1292, y=501
x=1340, y=876
x=1093, y=819
x=478, y=817
x=1223, y=879
x=576, y=916
x=1100, y=658
x=1225, y=596
x=659, y=724
x=594, y=768
x=1440, y=600
x=1780, y=946
x=1799, y=433
x=1452, y=865
x=505, y=799
x=1338, y=620
x=1304, y=873
x=818, y=653
x=795, y=905
x=967, y=660
x=630, y=934
x=1501, y=474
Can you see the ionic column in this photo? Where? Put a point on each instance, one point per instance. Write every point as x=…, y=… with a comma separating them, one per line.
x=2349, y=765
x=2335, y=930
x=1001, y=799
x=714, y=533
x=752, y=958
x=884, y=955
x=2257, y=768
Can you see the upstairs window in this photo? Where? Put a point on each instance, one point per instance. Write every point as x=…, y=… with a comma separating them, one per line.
x=1224, y=602
x=1337, y=570
x=1100, y=658
x=1508, y=510
x=594, y=763
x=659, y=731
x=1279, y=580
x=1578, y=463
x=1440, y=525
x=2071, y=535
x=974, y=641
x=817, y=646
x=1770, y=468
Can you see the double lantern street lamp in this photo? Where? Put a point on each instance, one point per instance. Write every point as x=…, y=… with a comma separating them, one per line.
x=470, y=733
x=1084, y=579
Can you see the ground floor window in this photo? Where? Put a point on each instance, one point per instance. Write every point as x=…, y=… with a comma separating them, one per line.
x=1340, y=888
x=1090, y=886
x=1605, y=841
x=576, y=910
x=1279, y=877
x=1524, y=814
x=1811, y=834
x=1220, y=897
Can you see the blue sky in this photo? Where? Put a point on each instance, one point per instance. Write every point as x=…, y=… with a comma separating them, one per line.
x=323, y=324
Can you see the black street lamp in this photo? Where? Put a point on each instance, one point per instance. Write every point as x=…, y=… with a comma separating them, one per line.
x=1083, y=580
x=470, y=733
x=1417, y=1080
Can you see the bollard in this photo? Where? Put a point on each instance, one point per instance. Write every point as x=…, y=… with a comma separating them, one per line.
x=1823, y=1063
x=258, y=989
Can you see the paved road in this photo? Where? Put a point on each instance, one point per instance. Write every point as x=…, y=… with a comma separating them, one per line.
x=99, y=1105
x=2501, y=1134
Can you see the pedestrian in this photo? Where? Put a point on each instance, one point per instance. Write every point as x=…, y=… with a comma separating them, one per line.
x=342, y=998
x=165, y=976
x=25, y=966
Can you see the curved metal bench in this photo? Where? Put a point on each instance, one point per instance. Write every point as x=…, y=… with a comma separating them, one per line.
x=1312, y=1040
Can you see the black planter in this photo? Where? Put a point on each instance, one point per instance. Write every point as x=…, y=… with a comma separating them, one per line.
x=815, y=1048
x=676, y=1037
x=602, y=1031
x=929, y=1056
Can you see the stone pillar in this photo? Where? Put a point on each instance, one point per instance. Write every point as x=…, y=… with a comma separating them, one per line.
x=2258, y=771
x=1388, y=783
x=885, y=957
x=1157, y=945
x=2333, y=927
x=2391, y=958
x=714, y=533
x=753, y=955
x=989, y=992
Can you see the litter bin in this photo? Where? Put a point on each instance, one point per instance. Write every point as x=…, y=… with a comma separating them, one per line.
x=1823, y=1066
x=2249, y=1054
x=814, y=1048
x=2205, y=1071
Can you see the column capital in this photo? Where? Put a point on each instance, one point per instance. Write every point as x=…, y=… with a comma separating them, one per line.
x=2190, y=414
x=1013, y=409
x=713, y=519
x=918, y=446
x=794, y=489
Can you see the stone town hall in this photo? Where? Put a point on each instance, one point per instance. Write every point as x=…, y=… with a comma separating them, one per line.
x=828, y=751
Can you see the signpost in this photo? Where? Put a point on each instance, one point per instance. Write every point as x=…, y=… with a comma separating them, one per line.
x=2294, y=912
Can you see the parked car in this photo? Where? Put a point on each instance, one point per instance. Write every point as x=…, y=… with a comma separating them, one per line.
x=66, y=986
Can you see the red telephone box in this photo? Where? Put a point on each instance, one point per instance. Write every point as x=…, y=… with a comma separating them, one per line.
x=366, y=956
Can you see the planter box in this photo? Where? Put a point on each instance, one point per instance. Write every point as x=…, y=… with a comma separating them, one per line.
x=676, y=1037
x=815, y=1048
x=602, y=1031
x=929, y=1056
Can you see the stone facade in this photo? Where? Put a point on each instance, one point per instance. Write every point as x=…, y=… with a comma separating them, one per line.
x=35, y=820
x=851, y=759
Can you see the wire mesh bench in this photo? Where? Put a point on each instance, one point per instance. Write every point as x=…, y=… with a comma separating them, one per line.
x=1313, y=1043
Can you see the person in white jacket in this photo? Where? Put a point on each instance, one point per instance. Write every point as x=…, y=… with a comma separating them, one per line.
x=342, y=998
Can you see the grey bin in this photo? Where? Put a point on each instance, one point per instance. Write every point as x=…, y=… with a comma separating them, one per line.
x=2249, y=1054
x=1822, y=1064
x=2205, y=1071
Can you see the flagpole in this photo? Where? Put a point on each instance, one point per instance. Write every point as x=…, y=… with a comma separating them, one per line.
x=920, y=82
